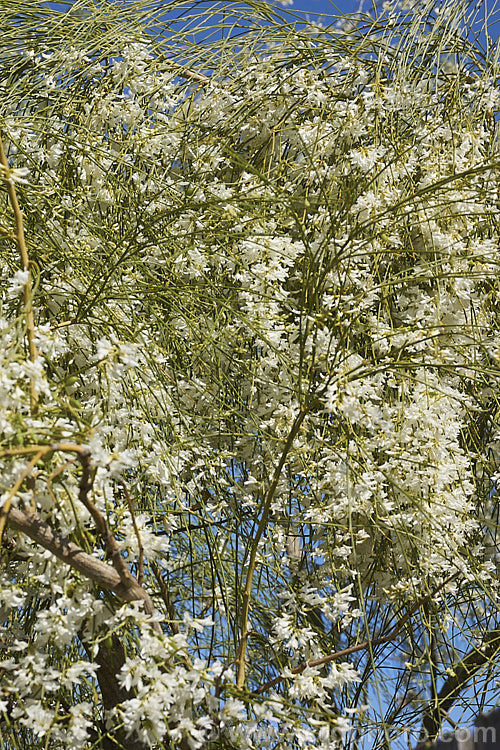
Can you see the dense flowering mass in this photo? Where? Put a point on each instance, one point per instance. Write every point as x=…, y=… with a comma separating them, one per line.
x=248, y=377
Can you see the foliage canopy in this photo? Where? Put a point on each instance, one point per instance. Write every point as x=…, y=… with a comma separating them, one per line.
x=249, y=376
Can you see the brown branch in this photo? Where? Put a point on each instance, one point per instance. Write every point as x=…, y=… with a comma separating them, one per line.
x=98, y=571
x=117, y=579
x=110, y=542
x=110, y=657
x=368, y=644
x=126, y=578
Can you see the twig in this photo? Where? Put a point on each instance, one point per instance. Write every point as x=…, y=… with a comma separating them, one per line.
x=448, y=718
x=6, y=233
x=368, y=644
x=110, y=542
x=165, y=595
x=63, y=324
x=183, y=72
x=27, y=288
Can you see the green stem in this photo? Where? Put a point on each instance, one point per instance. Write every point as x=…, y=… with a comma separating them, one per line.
x=253, y=553
x=27, y=289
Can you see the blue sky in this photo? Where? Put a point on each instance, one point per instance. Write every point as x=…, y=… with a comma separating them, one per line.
x=317, y=7
x=335, y=7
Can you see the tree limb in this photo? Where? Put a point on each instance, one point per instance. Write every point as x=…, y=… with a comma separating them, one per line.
x=117, y=579
x=96, y=570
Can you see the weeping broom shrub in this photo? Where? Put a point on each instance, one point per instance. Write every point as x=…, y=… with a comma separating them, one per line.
x=249, y=372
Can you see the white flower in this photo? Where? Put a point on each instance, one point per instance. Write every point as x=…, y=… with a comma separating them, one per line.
x=18, y=282
x=37, y=718
x=15, y=174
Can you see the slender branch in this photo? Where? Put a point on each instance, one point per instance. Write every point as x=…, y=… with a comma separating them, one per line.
x=27, y=288
x=433, y=660
x=44, y=449
x=165, y=595
x=368, y=644
x=7, y=233
x=126, y=578
x=63, y=324
x=112, y=548
x=191, y=75
x=255, y=545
